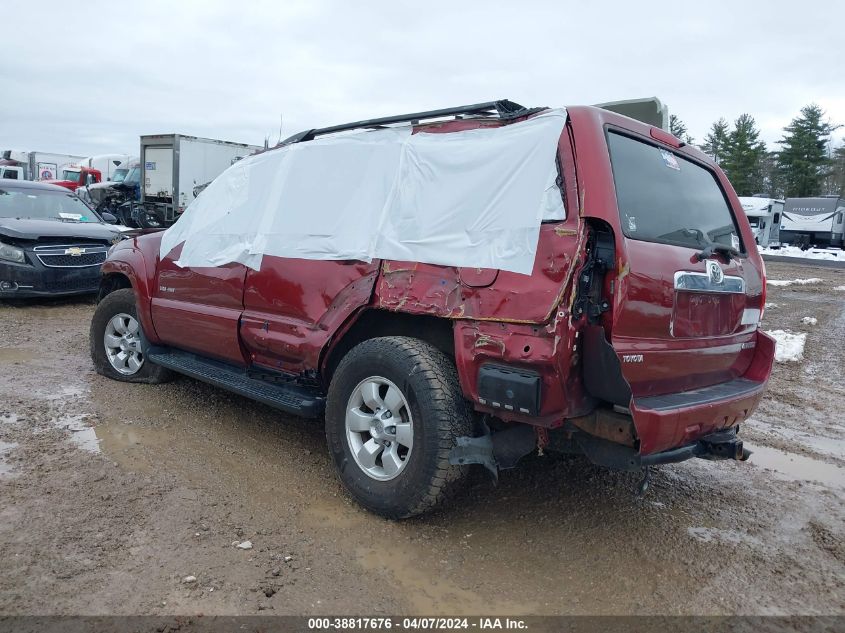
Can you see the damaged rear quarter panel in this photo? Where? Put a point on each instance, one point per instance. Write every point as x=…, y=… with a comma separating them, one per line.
x=517, y=320
x=551, y=350
x=461, y=293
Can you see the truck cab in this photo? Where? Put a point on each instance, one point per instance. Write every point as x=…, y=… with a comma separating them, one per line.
x=634, y=340
x=74, y=176
x=11, y=172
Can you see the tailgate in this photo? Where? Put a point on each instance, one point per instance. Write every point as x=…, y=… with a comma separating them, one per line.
x=686, y=313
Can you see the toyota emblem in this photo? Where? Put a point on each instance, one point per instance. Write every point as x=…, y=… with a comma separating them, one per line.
x=714, y=271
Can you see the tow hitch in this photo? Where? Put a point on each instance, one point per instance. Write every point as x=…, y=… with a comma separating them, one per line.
x=724, y=445
x=720, y=445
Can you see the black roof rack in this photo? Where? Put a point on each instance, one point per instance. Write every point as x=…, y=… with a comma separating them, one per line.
x=503, y=108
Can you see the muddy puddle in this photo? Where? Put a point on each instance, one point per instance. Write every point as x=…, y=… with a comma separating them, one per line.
x=15, y=355
x=415, y=570
x=793, y=467
x=81, y=434
x=731, y=537
x=815, y=442
x=427, y=592
x=5, y=466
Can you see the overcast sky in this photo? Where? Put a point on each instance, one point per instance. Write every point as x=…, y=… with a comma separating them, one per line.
x=90, y=78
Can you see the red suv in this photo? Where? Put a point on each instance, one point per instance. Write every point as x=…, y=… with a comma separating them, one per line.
x=634, y=342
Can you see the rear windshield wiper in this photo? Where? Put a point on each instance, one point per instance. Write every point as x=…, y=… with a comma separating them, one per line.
x=711, y=249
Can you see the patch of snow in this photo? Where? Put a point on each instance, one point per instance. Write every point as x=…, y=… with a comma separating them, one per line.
x=839, y=288
x=244, y=545
x=834, y=255
x=809, y=320
x=789, y=347
x=189, y=579
x=793, y=282
x=769, y=306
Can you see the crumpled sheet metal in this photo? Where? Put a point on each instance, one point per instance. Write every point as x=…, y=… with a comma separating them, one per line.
x=473, y=198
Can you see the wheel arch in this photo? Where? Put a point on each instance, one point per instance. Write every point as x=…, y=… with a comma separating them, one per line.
x=111, y=282
x=130, y=271
x=370, y=323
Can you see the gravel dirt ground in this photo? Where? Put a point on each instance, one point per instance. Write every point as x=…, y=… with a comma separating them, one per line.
x=112, y=495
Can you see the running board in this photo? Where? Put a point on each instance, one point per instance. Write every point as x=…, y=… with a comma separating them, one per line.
x=290, y=398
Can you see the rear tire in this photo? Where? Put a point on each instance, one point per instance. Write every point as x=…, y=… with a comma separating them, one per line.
x=418, y=381
x=116, y=317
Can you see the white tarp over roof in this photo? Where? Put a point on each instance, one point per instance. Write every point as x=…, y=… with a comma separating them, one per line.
x=473, y=198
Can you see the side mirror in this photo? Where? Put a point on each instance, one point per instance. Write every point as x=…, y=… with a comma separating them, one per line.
x=108, y=218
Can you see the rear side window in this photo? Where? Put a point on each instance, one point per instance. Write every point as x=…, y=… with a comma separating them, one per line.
x=665, y=198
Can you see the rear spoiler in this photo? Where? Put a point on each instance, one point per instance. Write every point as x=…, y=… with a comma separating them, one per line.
x=649, y=110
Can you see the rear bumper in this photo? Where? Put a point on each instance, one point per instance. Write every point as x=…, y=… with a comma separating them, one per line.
x=724, y=444
x=681, y=419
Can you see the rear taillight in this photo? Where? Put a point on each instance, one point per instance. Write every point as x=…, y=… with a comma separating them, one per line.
x=763, y=299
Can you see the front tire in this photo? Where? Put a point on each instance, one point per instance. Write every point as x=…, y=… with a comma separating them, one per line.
x=115, y=341
x=394, y=411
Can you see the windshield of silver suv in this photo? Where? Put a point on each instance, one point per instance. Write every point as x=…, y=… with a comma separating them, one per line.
x=42, y=204
x=663, y=197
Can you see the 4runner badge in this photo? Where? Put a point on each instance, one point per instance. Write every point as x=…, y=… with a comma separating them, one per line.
x=714, y=271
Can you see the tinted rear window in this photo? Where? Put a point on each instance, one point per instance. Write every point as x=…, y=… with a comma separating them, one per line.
x=662, y=197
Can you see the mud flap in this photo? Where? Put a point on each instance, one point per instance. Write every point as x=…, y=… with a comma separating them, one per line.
x=602, y=370
x=496, y=451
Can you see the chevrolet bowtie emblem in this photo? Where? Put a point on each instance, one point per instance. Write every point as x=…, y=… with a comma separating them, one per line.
x=75, y=251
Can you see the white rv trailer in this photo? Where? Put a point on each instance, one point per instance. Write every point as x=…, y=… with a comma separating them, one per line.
x=764, y=216
x=813, y=221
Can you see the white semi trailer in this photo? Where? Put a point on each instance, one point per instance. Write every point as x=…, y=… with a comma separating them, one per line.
x=108, y=164
x=37, y=165
x=172, y=165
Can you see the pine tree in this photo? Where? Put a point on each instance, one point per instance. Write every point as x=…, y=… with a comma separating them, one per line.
x=679, y=129
x=803, y=160
x=773, y=184
x=743, y=157
x=716, y=140
x=836, y=180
